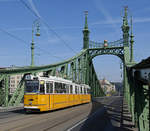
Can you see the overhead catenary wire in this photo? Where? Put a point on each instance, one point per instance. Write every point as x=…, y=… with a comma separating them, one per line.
x=48, y=53
x=25, y=42
x=46, y=24
x=25, y=4
x=13, y=36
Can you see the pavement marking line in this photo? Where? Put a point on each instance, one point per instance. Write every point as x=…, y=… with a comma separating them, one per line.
x=86, y=118
x=77, y=124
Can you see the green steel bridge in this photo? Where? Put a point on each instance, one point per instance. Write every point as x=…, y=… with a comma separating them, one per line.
x=80, y=69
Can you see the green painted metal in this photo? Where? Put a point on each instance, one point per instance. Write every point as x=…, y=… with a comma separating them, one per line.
x=18, y=94
x=80, y=69
x=6, y=84
x=1, y=77
x=19, y=98
x=134, y=90
x=75, y=71
x=141, y=105
x=32, y=54
x=32, y=47
x=66, y=71
x=86, y=33
x=2, y=91
x=35, y=23
x=132, y=42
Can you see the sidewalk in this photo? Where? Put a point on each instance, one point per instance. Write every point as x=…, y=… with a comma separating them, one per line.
x=119, y=116
x=11, y=108
x=113, y=115
x=126, y=119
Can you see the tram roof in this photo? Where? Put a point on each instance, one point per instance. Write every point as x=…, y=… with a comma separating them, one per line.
x=55, y=78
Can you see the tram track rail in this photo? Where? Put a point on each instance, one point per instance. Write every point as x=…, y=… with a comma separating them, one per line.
x=48, y=121
x=31, y=119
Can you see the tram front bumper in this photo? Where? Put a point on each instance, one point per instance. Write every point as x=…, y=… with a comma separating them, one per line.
x=31, y=107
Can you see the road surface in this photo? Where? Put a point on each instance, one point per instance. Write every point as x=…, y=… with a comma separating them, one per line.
x=91, y=116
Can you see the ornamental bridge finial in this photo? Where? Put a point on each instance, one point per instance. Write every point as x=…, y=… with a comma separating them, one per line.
x=86, y=23
x=125, y=18
x=86, y=33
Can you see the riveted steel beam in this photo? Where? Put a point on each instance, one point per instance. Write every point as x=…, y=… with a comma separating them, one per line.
x=6, y=84
x=18, y=94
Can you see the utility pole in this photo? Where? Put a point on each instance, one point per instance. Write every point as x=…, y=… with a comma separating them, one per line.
x=35, y=23
x=86, y=33
x=131, y=43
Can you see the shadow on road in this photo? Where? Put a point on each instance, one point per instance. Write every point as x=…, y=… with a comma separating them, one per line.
x=104, y=117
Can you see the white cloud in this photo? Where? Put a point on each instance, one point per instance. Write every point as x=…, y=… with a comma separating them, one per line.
x=112, y=21
x=34, y=8
x=68, y=27
x=141, y=20
x=118, y=21
x=102, y=8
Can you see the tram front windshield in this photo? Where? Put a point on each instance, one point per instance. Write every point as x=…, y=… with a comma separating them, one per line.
x=32, y=86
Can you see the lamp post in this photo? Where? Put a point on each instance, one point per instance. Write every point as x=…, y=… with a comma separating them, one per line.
x=35, y=23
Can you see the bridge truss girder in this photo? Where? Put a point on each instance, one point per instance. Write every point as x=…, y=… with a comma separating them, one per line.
x=136, y=94
x=117, y=51
x=75, y=69
x=80, y=69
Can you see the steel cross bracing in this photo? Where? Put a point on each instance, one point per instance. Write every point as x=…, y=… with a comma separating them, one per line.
x=74, y=69
x=117, y=51
x=118, y=43
x=80, y=69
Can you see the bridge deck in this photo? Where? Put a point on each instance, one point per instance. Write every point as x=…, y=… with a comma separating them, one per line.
x=102, y=114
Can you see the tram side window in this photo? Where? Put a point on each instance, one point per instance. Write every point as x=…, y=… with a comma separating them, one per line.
x=81, y=89
x=88, y=91
x=47, y=88
x=85, y=90
x=57, y=87
x=64, y=88
x=51, y=87
x=71, y=91
x=42, y=88
x=60, y=88
x=76, y=90
x=67, y=88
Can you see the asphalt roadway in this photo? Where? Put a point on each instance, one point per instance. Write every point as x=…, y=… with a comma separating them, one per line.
x=103, y=114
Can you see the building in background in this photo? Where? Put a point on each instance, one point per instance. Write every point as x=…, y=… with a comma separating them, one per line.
x=13, y=82
x=107, y=87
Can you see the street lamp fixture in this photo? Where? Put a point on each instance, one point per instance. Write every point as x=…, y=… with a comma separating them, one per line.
x=37, y=25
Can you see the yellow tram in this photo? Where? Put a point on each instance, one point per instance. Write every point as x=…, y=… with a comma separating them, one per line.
x=50, y=93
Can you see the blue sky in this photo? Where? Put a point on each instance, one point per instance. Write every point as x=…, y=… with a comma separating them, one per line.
x=66, y=18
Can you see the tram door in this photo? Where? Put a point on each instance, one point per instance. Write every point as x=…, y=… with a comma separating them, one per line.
x=49, y=91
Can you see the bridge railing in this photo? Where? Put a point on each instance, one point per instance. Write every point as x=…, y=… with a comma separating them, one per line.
x=117, y=43
x=136, y=93
x=75, y=69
